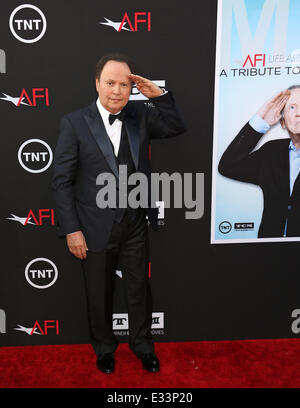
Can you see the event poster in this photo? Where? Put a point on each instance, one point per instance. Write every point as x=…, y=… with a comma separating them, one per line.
x=257, y=58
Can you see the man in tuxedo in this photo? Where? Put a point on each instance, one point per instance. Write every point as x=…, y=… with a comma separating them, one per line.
x=274, y=167
x=97, y=139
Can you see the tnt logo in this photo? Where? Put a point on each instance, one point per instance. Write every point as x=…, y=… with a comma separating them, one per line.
x=35, y=156
x=255, y=59
x=225, y=227
x=2, y=321
x=41, y=273
x=27, y=23
x=138, y=19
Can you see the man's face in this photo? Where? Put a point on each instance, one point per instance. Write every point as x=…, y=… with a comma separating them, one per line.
x=291, y=113
x=114, y=86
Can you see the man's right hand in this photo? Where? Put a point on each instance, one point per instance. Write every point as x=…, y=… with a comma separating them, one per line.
x=77, y=245
x=271, y=110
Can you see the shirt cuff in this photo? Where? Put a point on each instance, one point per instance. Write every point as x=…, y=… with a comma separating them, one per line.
x=259, y=124
x=164, y=92
x=70, y=233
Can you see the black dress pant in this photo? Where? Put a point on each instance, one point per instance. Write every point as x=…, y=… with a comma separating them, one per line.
x=128, y=248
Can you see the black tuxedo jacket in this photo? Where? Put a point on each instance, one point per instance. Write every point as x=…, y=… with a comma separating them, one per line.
x=268, y=167
x=84, y=151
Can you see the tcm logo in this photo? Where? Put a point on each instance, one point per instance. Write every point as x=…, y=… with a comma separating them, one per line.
x=120, y=321
x=41, y=329
x=2, y=321
x=243, y=226
x=257, y=58
x=41, y=273
x=137, y=19
x=138, y=96
x=37, y=218
x=2, y=62
x=35, y=155
x=29, y=98
x=27, y=23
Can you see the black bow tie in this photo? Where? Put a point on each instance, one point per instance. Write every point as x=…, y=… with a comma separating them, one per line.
x=119, y=116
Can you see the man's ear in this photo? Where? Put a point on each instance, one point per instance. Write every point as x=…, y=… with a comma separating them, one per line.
x=282, y=122
x=97, y=84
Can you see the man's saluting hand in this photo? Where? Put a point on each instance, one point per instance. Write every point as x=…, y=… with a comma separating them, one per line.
x=145, y=86
x=271, y=110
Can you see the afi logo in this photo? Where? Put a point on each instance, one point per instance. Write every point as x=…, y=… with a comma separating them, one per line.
x=138, y=18
x=37, y=93
x=48, y=324
x=25, y=99
x=256, y=58
x=38, y=218
x=42, y=213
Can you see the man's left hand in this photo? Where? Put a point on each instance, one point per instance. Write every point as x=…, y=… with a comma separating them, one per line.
x=145, y=86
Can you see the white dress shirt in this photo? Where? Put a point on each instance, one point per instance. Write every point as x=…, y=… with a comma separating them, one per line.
x=114, y=130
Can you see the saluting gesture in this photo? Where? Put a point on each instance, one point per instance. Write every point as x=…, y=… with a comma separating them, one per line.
x=271, y=110
x=145, y=86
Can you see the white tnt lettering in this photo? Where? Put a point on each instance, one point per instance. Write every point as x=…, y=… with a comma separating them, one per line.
x=37, y=273
x=35, y=156
x=28, y=24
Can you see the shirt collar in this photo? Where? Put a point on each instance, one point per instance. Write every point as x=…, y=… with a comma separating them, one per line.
x=104, y=112
x=292, y=146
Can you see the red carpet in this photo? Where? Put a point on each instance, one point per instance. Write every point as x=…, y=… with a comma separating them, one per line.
x=223, y=364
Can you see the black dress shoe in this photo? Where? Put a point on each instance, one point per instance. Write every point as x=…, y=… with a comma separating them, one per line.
x=106, y=363
x=150, y=362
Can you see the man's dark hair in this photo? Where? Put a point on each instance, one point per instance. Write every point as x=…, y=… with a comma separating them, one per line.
x=115, y=56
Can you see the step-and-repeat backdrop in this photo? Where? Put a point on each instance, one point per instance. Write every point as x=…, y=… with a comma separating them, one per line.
x=222, y=62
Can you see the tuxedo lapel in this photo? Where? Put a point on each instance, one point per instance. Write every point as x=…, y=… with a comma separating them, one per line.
x=97, y=128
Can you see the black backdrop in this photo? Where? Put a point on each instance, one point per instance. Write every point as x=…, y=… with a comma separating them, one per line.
x=205, y=292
